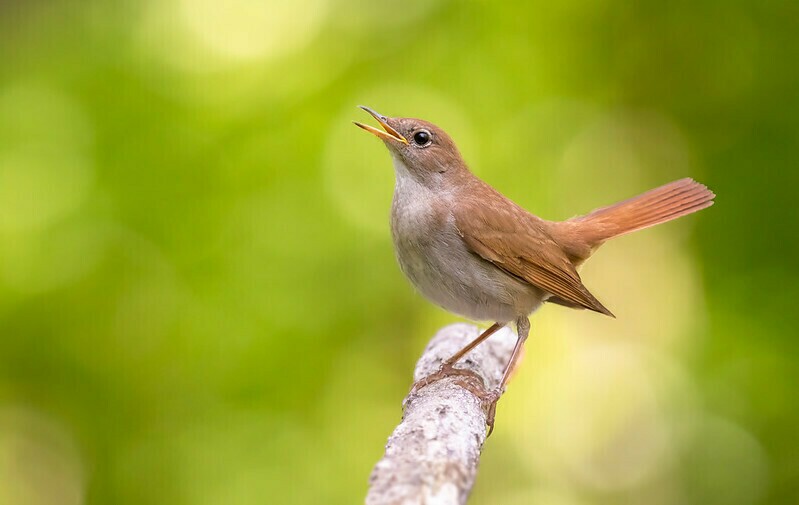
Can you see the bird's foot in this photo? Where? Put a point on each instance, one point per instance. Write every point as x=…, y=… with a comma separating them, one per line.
x=471, y=381
x=449, y=370
x=490, y=400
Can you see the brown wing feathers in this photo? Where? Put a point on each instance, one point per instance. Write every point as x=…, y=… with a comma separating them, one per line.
x=546, y=254
x=518, y=243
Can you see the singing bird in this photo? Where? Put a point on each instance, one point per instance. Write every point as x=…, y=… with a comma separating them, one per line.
x=475, y=253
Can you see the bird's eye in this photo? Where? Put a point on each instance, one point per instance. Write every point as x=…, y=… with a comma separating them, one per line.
x=421, y=138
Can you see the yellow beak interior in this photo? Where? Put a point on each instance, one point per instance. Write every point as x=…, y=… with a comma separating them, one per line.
x=389, y=133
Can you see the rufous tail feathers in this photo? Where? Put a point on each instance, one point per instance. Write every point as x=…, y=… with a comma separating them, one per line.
x=670, y=201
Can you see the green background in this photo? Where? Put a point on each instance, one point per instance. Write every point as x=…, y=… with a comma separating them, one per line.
x=199, y=302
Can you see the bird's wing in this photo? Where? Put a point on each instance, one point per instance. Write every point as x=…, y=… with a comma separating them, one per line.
x=518, y=243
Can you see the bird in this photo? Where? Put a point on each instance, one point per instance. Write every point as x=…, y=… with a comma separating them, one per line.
x=475, y=253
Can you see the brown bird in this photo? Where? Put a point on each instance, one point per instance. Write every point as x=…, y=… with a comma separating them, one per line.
x=472, y=251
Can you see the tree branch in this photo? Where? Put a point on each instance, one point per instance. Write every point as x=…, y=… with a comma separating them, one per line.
x=432, y=456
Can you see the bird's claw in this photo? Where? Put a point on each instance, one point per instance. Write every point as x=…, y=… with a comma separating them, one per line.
x=490, y=400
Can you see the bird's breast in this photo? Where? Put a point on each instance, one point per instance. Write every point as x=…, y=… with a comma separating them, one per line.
x=434, y=257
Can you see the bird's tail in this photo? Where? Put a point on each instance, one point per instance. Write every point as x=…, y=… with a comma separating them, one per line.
x=673, y=200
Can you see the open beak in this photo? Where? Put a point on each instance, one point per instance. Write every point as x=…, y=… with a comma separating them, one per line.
x=389, y=133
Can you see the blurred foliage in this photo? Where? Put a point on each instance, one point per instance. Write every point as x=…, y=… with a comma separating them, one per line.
x=198, y=297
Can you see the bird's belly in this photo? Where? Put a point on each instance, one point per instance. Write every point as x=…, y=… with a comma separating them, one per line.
x=451, y=276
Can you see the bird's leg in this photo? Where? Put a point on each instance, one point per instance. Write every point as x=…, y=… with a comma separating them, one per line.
x=471, y=345
x=523, y=330
x=447, y=368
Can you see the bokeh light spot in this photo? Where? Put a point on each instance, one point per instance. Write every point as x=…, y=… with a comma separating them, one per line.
x=246, y=29
x=35, y=263
x=45, y=168
x=203, y=35
x=39, y=462
x=614, y=155
x=728, y=464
